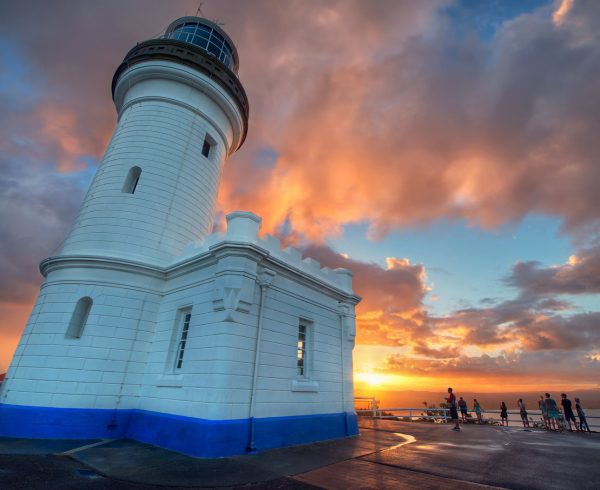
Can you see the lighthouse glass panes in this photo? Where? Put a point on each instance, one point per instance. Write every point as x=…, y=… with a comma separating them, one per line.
x=206, y=38
x=183, y=339
x=301, y=353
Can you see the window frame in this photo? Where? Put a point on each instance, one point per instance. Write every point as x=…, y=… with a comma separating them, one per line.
x=304, y=334
x=211, y=143
x=183, y=322
x=132, y=180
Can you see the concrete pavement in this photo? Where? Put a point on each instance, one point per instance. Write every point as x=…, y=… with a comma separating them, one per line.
x=387, y=454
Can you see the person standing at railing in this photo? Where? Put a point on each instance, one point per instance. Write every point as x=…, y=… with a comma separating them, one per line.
x=553, y=413
x=542, y=405
x=581, y=415
x=504, y=413
x=523, y=413
x=478, y=411
x=451, y=400
x=463, y=409
x=568, y=411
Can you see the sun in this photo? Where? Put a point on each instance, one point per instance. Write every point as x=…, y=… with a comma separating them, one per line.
x=372, y=379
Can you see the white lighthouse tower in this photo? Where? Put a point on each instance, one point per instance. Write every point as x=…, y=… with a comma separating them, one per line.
x=149, y=327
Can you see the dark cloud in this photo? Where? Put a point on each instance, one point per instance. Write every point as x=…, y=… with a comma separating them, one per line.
x=391, y=312
x=581, y=275
x=398, y=288
x=37, y=207
x=422, y=349
x=576, y=332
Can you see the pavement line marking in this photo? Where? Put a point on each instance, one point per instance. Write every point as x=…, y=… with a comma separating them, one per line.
x=87, y=446
x=407, y=440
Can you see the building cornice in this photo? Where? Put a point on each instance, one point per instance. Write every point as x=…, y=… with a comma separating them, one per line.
x=100, y=262
x=200, y=261
x=192, y=56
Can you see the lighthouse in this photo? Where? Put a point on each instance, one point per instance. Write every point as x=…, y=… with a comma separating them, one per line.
x=147, y=325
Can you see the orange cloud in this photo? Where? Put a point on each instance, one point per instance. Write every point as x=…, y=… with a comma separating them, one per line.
x=13, y=319
x=375, y=112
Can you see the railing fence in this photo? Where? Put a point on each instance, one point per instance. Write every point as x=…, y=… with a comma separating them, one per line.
x=442, y=415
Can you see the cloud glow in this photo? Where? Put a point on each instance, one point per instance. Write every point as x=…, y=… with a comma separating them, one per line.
x=373, y=113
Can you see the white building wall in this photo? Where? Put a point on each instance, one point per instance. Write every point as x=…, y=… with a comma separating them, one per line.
x=144, y=256
x=162, y=127
x=282, y=391
x=101, y=369
x=215, y=379
x=126, y=356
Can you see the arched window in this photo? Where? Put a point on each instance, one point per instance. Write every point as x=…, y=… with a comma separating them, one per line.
x=79, y=318
x=131, y=182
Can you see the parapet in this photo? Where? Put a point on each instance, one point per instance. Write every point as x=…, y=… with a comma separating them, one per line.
x=244, y=227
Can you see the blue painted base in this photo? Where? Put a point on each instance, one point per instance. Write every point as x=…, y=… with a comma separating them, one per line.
x=192, y=436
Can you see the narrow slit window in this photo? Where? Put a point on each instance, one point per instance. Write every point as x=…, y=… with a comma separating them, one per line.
x=186, y=317
x=206, y=146
x=301, y=352
x=132, y=180
x=79, y=318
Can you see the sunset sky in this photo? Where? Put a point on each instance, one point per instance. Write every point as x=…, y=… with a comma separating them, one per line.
x=448, y=152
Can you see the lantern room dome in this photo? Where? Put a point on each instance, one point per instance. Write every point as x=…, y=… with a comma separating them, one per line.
x=206, y=35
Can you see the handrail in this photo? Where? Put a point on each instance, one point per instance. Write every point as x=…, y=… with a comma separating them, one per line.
x=441, y=413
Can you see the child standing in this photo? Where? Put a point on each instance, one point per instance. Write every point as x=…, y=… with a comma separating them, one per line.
x=478, y=411
x=581, y=415
x=463, y=409
x=504, y=413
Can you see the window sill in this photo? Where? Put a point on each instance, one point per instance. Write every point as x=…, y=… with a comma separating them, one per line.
x=305, y=386
x=170, y=381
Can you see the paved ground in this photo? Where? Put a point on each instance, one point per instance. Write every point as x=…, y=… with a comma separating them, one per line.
x=387, y=455
x=494, y=456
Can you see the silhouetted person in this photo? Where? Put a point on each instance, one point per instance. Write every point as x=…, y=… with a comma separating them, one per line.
x=504, y=413
x=568, y=411
x=542, y=405
x=463, y=409
x=478, y=411
x=553, y=413
x=451, y=400
x=523, y=412
x=581, y=415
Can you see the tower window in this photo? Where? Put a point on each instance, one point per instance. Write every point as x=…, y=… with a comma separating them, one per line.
x=185, y=327
x=206, y=146
x=79, y=318
x=131, y=182
x=301, y=356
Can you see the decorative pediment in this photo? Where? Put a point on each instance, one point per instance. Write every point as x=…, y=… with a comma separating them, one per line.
x=234, y=286
x=233, y=293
